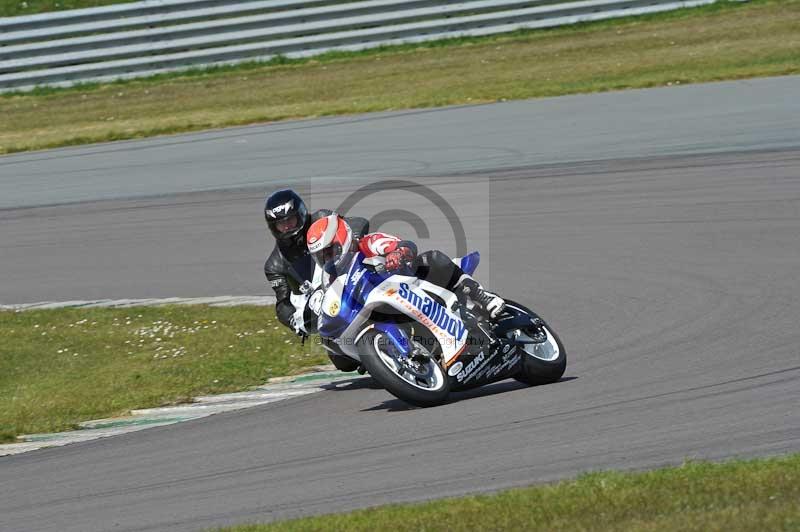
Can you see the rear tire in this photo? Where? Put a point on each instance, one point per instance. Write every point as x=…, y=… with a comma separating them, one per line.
x=378, y=365
x=536, y=370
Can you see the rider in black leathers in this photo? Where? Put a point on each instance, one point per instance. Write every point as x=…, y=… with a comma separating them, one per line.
x=290, y=265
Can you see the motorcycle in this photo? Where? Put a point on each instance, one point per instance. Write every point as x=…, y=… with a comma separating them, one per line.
x=421, y=341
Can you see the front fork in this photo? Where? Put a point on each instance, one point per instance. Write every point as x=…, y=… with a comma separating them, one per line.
x=397, y=336
x=408, y=355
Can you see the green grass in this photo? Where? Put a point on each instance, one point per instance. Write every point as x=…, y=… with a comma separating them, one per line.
x=754, y=495
x=13, y=8
x=60, y=367
x=722, y=41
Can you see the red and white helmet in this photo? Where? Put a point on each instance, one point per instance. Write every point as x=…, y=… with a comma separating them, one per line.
x=329, y=239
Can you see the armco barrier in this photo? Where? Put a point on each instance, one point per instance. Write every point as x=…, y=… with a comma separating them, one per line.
x=144, y=38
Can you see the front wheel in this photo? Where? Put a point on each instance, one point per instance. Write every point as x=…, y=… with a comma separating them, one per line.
x=544, y=362
x=418, y=382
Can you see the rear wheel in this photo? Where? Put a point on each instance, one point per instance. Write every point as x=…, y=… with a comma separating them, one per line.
x=543, y=362
x=417, y=380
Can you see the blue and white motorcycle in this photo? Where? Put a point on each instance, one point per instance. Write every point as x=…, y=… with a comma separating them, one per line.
x=421, y=341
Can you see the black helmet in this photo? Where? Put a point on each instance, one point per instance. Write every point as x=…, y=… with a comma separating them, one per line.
x=286, y=214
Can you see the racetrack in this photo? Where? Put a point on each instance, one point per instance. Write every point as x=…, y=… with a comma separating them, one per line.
x=669, y=269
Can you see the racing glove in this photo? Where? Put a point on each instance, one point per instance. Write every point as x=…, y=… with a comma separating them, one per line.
x=399, y=258
x=303, y=321
x=298, y=325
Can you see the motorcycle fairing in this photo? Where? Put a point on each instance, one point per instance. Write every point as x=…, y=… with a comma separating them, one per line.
x=500, y=361
x=469, y=263
x=486, y=365
x=353, y=296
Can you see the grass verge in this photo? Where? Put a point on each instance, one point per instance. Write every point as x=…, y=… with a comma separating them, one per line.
x=60, y=367
x=734, y=496
x=13, y=8
x=722, y=41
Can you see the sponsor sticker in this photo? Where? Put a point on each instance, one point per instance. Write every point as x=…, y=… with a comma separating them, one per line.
x=281, y=209
x=455, y=368
x=315, y=301
x=357, y=276
x=434, y=312
x=333, y=308
x=507, y=363
x=472, y=366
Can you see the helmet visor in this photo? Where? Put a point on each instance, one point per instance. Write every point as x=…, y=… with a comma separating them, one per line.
x=330, y=254
x=288, y=224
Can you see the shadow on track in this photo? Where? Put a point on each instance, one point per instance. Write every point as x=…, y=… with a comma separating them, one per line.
x=358, y=383
x=396, y=405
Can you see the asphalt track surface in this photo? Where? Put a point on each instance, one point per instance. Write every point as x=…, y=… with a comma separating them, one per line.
x=191, y=224
x=671, y=277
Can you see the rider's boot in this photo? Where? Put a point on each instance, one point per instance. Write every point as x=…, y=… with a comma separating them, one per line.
x=490, y=303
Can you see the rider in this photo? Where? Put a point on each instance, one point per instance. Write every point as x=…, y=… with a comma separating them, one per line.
x=331, y=238
x=290, y=265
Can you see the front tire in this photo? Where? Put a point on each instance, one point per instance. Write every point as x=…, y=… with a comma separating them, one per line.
x=421, y=385
x=543, y=363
